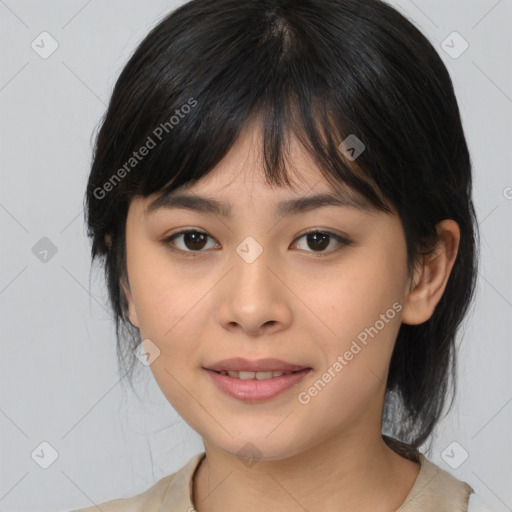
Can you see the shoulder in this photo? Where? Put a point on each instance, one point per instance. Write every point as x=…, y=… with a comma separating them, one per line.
x=172, y=490
x=436, y=489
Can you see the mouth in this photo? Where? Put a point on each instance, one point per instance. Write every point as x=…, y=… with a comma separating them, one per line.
x=256, y=386
x=260, y=369
x=247, y=375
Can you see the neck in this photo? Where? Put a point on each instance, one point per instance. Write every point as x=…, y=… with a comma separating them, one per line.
x=356, y=473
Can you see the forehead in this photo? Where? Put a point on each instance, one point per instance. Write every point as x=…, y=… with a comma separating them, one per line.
x=239, y=178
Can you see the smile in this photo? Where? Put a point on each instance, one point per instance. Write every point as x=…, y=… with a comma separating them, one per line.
x=253, y=375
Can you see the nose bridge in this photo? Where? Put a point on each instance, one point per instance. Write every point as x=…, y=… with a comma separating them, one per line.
x=251, y=267
x=252, y=299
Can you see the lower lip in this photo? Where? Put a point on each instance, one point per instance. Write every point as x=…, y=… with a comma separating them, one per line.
x=256, y=390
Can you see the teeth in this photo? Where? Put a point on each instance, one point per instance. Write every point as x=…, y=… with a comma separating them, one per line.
x=253, y=375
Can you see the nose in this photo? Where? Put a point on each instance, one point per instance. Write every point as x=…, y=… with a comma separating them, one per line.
x=254, y=297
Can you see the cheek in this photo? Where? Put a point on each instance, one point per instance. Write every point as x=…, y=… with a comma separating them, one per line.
x=172, y=308
x=168, y=304
x=165, y=297
x=353, y=296
x=362, y=310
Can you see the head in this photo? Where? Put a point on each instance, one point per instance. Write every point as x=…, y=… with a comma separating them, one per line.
x=257, y=103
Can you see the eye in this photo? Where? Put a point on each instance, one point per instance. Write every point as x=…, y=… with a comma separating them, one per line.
x=320, y=240
x=193, y=241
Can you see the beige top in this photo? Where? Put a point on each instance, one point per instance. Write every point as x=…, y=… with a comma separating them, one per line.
x=434, y=490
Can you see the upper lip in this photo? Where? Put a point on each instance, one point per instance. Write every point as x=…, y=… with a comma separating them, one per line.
x=260, y=365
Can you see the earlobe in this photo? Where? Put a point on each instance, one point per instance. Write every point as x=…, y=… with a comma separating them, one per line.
x=431, y=277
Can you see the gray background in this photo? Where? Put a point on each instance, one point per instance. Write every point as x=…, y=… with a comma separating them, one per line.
x=59, y=380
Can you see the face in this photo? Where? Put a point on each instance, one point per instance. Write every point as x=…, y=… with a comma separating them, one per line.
x=256, y=285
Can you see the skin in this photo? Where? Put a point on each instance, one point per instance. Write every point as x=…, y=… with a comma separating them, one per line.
x=327, y=454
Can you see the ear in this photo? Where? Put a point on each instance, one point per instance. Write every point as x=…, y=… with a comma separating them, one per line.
x=431, y=277
x=132, y=313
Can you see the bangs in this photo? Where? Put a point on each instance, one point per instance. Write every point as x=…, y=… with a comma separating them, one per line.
x=212, y=85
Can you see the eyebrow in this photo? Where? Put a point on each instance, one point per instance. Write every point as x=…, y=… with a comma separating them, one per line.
x=211, y=206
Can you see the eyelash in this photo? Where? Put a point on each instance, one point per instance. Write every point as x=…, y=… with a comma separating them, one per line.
x=315, y=254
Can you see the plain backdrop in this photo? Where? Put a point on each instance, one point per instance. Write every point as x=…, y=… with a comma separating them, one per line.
x=59, y=380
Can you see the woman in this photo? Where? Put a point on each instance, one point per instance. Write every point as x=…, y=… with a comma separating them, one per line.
x=281, y=197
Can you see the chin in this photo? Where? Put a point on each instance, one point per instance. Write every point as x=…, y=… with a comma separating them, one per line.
x=255, y=446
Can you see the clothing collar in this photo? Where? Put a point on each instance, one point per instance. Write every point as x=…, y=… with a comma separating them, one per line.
x=433, y=490
x=179, y=494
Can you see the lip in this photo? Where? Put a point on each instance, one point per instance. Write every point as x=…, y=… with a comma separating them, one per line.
x=237, y=364
x=256, y=390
